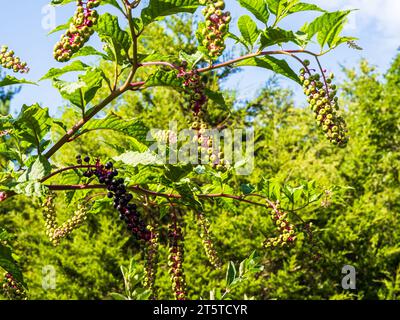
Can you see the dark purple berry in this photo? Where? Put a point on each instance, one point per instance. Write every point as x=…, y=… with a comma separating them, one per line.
x=109, y=165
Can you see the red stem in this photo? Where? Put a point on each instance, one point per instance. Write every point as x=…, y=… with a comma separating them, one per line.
x=86, y=166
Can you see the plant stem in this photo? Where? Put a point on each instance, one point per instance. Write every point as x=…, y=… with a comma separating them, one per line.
x=253, y=55
x=140, y=189
x=113, y=95
x=92, y=112
x=85, y=166
x=158, y=63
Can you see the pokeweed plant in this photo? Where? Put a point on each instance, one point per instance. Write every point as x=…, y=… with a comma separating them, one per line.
x=151, y=197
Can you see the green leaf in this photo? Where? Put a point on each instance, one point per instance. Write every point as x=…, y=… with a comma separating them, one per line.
x=32, y=124
x=272, y=36
x=161, y=8
x=61, y=27
x=134, y=158
x=113, y=3
x=248, y=29
x=327, y=27
x=10, y=80
x=230, y=273
x=6, y=122
x=110, y=32
x=39, y=169
x=8, y=263
x=217, y=97
x=191, y=59
x=138, y=25
x=60, y=2
x=177, y=172
x=56, y=72
x=247, y=188
x=305, y=7
x=134, y=128
x=93, y=79
x=283, y=8
x=117, y=296
x=271, y=63
x=71, y=91
x=238, y=40
x=82, y=92
x=258, y=8
x=143, y=174
x=67, y=178
x=90, y=51
x=164, y=78
x=30, y=189
x=188, y=196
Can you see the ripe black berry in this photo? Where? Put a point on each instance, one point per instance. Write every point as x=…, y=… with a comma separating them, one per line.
x=117, y=190
x=109, y=165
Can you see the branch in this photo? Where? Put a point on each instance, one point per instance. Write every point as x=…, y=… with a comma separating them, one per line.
x=140, y=189
x=253, y=55
x=114, y=94
x=323, y=76
x=92, y=112
x=85, y=166
x=159, y=63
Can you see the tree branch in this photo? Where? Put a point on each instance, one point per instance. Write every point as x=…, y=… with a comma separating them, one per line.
x=85, y=166
x=140, y=189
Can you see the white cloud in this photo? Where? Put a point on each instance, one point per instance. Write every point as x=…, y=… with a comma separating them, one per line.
x=380, y=15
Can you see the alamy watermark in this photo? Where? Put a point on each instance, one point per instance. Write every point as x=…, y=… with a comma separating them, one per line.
x=49, y=17
x=48, y=277
x=349, y=280
x=233, y=148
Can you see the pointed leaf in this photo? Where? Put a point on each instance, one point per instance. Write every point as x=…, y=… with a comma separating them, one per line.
x=248, y=29
x=258, y=8
x=161, y=8
x=10, y=80
x=271, y=63
x=110, y=32
x=56, y=72
x=230, y=273
x=164, y=78
x=32, y=124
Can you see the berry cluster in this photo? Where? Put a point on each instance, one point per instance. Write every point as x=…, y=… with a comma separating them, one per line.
x=205, y=235
x=117, y=190
x=216, y=27
x=209, y=151
x=176, y=253
x=12, y=289
x=79, y=30
x=151, y=260
x=323, y=101
x=9, y=61
x=194, y=87
x=55, y=232
x=286, y=230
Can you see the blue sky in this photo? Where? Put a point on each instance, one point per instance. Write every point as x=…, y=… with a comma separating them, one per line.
x=376, y=23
